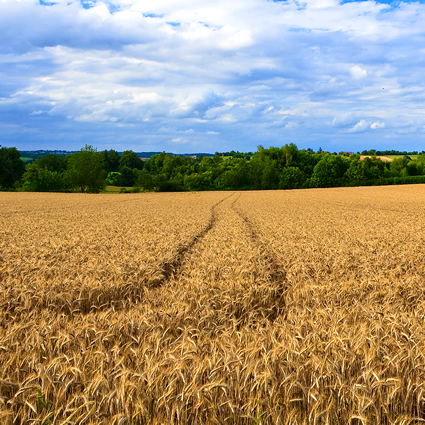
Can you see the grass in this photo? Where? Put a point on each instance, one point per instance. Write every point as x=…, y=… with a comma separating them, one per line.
x=401, y=156
x=26, y=159
x=116, y=189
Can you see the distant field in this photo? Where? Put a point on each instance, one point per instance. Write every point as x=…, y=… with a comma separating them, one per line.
x=382, y=158
x=116, y=189
x=26, y=159
x=401, y=156
x=274, y=307
x=389, y=158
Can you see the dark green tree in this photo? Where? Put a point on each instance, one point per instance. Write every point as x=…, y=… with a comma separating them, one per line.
x=127, y=176
x=51, y=162
x=398, y=166
x=131, y=160
x=291, y=178
x=329, y=171
x=373, y=168
x=11, y=167
x=111, y=159
x=198, y=181
x=266, y=166
x=86, y=170
x=144, y=180
x=355, y=172
x=415, y=168
x=238, y=176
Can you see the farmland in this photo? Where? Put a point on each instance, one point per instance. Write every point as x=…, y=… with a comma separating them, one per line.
x=274, y=307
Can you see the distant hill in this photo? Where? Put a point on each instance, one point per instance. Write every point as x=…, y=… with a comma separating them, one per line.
x=149, y=154
x=29, y=156
x=42, y=152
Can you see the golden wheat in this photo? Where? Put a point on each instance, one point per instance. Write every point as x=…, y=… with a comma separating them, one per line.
x=289, y=307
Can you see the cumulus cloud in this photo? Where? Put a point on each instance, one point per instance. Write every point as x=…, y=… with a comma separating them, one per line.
x=249, y=71
x=344, y=120
x=179, y=140
x=377, y=125
x=360, y=127
x=358, y=72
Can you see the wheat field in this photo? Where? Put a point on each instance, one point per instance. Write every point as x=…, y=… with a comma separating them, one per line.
x=276, y=307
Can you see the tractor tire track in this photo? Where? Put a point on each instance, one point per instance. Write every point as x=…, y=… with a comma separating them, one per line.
x=276, y=274
x=170, y=269
x=88, y=300
x=230, y=277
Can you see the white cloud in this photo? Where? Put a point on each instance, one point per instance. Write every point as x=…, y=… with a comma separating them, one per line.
x=344, y=120
x=244, y=69
x=291, y=125
x=358, y=72
x=377, y=125
x=179, y=140
x=235, y=39
x=360, y=127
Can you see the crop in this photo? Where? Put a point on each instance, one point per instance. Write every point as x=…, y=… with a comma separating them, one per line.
x=277, y=307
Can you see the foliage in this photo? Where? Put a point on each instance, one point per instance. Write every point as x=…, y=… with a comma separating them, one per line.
x=130, y=160
x=170, y=186
x=51, y=162
x=46, y=174
x=291, y=178
x=113, y=177
x=44, y=407
x=274, y=168
x=11, y=167
x=329, y=171
x=86, y=170
x=126, y=177
x=144, y=180
x=286, y=167
x=111, y=159
x=37, y=179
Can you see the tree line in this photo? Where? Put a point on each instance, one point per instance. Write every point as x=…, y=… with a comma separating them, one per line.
x=287, y=167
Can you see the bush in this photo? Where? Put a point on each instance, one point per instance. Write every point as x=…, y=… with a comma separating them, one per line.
x=170, y=186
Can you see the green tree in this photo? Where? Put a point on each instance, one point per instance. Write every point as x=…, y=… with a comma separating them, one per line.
x=86, y=170
x=198, y=181
x=127, y=176
x=131, y=160
x=290, y=155
x=415, y=168
x=266, y=166
x=329, y=171
x=398, y=166
x=51, y=162
x=291, y=178
x=364, y=171
x=11, y=167
x=355, y=173
x=144, y=180
x=36, y=179
x=238, y=176
x=421, y=158
x=112, y=160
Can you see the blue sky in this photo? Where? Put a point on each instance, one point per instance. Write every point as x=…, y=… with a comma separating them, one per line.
x=202, y=76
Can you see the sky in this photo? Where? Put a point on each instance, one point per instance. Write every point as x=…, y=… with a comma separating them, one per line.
x=206, y=76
